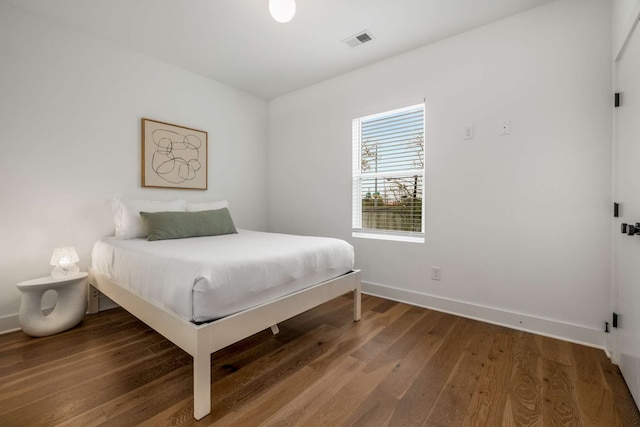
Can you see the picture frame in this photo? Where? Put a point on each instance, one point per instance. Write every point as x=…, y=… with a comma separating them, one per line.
x=174, y=156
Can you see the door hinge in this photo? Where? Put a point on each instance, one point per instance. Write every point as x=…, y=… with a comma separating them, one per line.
x=617, y=99
x=615, y=320
x=616, y=210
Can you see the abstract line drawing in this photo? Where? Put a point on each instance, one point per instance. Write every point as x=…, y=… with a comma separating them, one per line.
x=173, y=156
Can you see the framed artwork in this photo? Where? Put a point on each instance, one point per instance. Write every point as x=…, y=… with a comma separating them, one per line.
x=173, y=156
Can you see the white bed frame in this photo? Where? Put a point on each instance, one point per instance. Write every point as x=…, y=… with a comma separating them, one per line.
x=200, y=341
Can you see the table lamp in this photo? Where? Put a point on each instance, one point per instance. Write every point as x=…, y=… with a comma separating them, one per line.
x=64, y=261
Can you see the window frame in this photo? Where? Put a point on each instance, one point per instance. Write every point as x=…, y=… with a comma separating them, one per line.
x=358, y=175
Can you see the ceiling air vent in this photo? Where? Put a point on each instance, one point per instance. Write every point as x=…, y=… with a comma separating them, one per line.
x=358, y=39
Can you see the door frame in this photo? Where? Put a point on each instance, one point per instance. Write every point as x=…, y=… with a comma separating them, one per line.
x=629, y=28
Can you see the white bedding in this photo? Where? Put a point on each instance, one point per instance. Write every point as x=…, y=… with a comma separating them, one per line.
x=205, y=278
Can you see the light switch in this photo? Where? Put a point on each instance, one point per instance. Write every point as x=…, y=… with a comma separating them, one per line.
x=468, y=132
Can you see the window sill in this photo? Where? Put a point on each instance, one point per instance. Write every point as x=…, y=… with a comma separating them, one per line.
x=394, y=237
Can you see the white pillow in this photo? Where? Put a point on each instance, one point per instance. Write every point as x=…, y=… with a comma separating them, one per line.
x=207, y=206
x=126, y=214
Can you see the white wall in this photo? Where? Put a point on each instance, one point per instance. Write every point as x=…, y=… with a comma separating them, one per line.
x=70, y=110
x=518, y=224
x=624, y=16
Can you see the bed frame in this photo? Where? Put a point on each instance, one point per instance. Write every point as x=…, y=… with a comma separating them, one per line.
x=200, y=341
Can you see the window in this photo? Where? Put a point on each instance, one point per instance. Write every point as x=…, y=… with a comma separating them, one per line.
x=388, y=175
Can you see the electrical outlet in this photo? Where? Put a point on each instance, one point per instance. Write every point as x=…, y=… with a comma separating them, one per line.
x=435, y=273
x=505, y=127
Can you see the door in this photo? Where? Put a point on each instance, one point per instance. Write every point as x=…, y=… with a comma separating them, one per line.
x=627, y=248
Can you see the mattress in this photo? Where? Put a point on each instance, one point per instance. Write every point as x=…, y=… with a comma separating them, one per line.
x=205, y=278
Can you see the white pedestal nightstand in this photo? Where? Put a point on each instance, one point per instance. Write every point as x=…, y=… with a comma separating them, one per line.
x=68, y=311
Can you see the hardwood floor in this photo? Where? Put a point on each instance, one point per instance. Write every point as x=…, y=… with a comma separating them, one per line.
x=399, y=366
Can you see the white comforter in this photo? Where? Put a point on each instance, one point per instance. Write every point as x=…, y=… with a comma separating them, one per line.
x=205, y=278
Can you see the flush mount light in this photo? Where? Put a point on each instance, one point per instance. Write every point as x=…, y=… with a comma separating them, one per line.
x=282, y=10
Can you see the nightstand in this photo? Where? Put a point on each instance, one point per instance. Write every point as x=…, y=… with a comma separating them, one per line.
x=68, y=311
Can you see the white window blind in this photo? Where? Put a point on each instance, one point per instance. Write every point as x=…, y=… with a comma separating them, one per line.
x=388, y=172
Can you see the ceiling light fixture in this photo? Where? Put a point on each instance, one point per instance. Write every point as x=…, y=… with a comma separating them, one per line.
x=282, y=10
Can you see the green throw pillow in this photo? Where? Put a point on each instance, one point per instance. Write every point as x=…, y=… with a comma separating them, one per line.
x=178, y=225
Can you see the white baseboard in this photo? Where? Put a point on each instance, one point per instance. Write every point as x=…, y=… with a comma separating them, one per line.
x=549, y=328
x=12, y=323
x=9, y=324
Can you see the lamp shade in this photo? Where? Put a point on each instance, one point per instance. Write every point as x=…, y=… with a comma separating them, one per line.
x=66, y=255
x=282, y=10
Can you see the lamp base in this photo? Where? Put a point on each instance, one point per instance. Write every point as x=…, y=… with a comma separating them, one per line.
x=65, y=272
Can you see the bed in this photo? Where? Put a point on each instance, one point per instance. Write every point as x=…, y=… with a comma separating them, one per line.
x=205, y=293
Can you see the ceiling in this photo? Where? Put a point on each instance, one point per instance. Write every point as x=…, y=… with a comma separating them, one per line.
x=236, y=42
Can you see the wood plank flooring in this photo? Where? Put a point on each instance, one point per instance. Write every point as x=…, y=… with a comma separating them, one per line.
x=399, y=366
